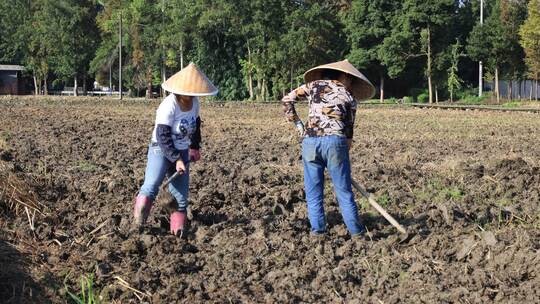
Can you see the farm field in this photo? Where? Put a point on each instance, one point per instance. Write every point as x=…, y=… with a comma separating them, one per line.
x=466, y=184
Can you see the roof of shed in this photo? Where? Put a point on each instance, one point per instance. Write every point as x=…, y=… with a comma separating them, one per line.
x=11, y=67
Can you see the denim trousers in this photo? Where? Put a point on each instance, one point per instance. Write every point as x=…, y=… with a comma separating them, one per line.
x=329, y=152
x=157, y=167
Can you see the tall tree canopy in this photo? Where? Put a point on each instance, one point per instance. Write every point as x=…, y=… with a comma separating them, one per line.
x=259, y=49
x=530, y=40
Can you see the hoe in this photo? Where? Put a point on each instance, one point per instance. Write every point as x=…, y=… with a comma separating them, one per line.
x=374, y=204
x=404, y=234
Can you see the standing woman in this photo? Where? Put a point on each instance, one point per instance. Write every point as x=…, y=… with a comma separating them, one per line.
x=175, y=142
x=332, y=91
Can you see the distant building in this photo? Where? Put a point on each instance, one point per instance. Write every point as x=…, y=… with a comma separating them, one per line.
x=11, y=79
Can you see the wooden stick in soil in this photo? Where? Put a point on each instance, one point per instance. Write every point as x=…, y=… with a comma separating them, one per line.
x=378, y=207
x=135, y=291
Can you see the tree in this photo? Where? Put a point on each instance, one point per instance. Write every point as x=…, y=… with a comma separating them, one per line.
x=73, y=24
x=146, y=56
x=42, y=43
x=513, y=14
x=367, y=25
x=488, y=43
x=13, y=20
x=262, y=26
x=454, y=82
x=105, y=62
x=419, y=30
x=312, y=36
x=530, y=40
x=427, y=22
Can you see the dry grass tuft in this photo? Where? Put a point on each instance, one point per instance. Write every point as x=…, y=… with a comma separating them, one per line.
x=16, y=196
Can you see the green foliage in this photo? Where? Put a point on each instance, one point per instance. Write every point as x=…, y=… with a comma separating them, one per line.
x=417, y=91
x=472, y=99
x=259, y=49
x=13, y=42
x=368, y=24
x=383, y=200
x=513, y=15
x=437, y=192
x=86, y=166
x=423, y=98
x=530, y=38
x=408, y=99
x=454, y=82
x=496, y=42
x=512, y=104
x=87, y=293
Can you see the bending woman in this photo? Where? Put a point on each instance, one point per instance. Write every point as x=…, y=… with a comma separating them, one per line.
x=175, y=142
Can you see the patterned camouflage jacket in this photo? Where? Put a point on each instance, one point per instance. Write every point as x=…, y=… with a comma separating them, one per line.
x=332, y=109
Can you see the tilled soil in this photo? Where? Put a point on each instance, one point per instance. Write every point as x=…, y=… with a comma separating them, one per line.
x=465, y=184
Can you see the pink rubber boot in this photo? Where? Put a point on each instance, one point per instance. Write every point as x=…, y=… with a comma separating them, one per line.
x=178, y=219
x=143, y=204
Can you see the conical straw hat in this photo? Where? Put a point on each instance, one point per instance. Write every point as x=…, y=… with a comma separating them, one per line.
x=190, y=81
x=361, y=86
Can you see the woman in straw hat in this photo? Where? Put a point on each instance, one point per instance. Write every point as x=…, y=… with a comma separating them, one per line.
x=332, y=91
x=175, y=142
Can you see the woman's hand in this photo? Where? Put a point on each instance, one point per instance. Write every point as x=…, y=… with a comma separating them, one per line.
x=194, y=155
x=180, y=166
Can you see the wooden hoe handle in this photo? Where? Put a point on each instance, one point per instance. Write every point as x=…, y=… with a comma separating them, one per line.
x=380, y=209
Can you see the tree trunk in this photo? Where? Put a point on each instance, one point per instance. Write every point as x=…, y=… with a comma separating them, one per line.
x=181, y=55
x=510, y=83
x=430, y=90
x=519, y=90
x=250, y=81
x=250, y=75
x=381, y=99
x=45, y=86
x=75, y=86
x=163, y=78
x=36, y=86
x=84, y=86
x=536, y=88
x=258, y=89
x=497, y=94
x=148, y=83
x=436, y=95
x=110, y=81
x=263, y=93
x=451, y=96
x=292, y=84
x=430, y=85
x=531, y=92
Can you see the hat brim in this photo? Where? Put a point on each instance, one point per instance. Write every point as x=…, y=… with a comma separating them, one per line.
x=362, y=88
x=185, y=93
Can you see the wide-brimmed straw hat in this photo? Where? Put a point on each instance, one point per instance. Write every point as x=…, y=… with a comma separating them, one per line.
x=190, y=81
x=361, y=86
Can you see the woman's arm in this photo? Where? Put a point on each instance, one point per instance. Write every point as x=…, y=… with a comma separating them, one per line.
x=289, y=100
x=164, y=122
x=196, y=137
x=350, y=119
x=165, y=142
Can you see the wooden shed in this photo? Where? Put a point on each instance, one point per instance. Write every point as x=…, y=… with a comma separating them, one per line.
x=11, y=79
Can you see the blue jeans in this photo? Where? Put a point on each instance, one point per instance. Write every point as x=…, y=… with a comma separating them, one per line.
x=329, y=152
x=157, y=167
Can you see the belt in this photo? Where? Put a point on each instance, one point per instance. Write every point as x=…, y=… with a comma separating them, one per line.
x=154, y=144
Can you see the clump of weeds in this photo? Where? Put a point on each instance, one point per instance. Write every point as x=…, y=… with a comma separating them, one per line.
x=87, y=293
